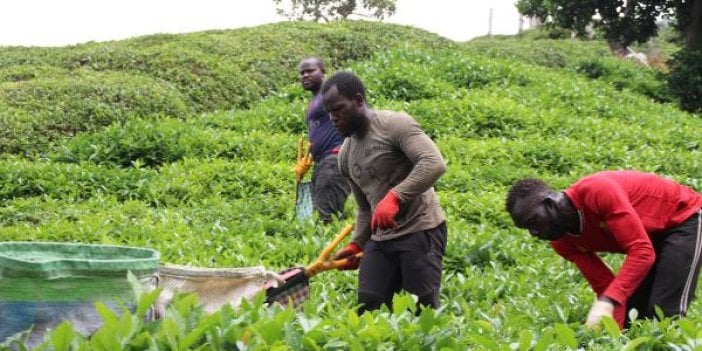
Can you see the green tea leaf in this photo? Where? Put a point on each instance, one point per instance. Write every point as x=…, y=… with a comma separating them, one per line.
x=545, y=341
x=565, y=336
x=402, y=303
x=147, y=301
x=109, y=317
x=485, y=342
x=427, y=319
x=688, y=327
x=352, y=320
x=611, y=327
x=336, y=345
x=634, y=344
x=270, y=331
x=104, y=339
x=525, y=338
x=137, y=288
x=310, y=344
x=62, y=337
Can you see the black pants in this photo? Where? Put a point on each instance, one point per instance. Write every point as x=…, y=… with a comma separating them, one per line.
x=329, y=188
x=671, y=282
x=412, y=262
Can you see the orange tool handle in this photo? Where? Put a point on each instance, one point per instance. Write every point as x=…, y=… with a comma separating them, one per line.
x=319, y=267
x=322, y=263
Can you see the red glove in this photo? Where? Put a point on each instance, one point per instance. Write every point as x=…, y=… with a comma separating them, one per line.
x=349, y=253
x=384, y=214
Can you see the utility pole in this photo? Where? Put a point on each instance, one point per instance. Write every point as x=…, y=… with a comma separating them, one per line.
x=521, y=24
x=490, y=23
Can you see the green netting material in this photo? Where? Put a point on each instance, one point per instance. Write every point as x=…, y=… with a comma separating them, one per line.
x=47, y=271
x=66, y=289
x=45, y=283
x=50, y=260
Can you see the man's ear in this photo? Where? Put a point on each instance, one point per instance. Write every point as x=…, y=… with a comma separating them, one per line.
x=359, y=100
x=551, y=200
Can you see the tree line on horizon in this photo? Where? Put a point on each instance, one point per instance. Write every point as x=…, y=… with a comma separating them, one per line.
x=621, y=24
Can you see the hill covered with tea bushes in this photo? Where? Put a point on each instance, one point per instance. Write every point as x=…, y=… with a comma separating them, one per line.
x=56, y=92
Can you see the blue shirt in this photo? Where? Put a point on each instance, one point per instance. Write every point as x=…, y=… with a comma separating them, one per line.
x=323, y=135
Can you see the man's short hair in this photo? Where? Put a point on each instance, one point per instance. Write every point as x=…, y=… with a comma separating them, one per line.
x=318, y=60
x=523, y=188
x=347, y=84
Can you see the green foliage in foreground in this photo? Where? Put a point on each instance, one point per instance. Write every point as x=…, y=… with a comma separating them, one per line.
x=218, y=191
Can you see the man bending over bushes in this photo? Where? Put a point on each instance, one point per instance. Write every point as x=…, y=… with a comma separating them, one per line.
x=391, y=166
x=654, y=221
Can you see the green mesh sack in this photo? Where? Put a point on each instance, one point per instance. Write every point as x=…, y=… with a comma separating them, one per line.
x=303, y=201
x=45, y=283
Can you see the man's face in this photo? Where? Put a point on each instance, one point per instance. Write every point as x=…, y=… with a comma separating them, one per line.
x=311, y=76
x=539, y=216
x=344, y=112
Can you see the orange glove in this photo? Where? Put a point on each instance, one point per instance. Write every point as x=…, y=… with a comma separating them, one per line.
x=304, y=162
x=349, y=253
x=384, y=214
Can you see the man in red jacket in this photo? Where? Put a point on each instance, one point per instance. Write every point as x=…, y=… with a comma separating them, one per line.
x=653, y=220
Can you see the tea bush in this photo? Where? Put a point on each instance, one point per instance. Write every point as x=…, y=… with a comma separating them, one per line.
x=58, y=107
x=68, y=182
x=590, y=58
x=643, y=80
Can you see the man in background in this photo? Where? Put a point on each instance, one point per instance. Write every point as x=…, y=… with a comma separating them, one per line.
x=329, y=188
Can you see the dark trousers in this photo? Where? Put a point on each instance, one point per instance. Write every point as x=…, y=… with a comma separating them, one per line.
x=329, y=189
x=671, y=282
x=412, y=262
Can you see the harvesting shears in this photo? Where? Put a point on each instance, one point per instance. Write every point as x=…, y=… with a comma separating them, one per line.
x=296, y=287
x=323, y=263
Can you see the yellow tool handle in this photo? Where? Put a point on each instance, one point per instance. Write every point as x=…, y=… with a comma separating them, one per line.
x=322, y=263
x=341, y=236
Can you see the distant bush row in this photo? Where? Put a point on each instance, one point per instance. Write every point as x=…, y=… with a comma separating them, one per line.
x=456, y=96
x=589, y=58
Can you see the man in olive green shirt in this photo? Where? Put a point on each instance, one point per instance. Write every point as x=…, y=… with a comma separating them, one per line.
x=391, y=166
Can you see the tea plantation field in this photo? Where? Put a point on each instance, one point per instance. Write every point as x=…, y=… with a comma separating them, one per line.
x=185, y=144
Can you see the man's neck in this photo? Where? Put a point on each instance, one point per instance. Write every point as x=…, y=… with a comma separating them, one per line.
x=364, y=124
x=572, y=215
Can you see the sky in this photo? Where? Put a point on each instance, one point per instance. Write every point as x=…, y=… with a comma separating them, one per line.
x=68, y=22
